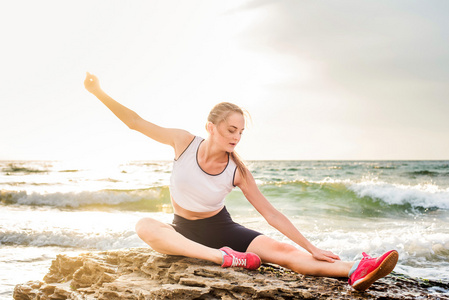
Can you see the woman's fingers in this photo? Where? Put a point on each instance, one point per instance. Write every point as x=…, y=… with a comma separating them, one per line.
x=91, y=83
x=326, y=256
x=334, y=256
x=90, y=77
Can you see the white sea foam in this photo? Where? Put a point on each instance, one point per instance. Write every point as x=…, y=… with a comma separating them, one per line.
x=422, y=195
x=67, y=238
x=74, y=229
x=77, y=199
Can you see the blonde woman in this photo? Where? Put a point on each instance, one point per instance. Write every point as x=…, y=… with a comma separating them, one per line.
x=204, y=172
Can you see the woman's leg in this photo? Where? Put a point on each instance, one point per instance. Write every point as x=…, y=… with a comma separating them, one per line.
x=164, y=239
x=288, y=256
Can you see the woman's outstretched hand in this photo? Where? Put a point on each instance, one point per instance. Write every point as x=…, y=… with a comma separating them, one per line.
x=91, y=83
x=324, y=255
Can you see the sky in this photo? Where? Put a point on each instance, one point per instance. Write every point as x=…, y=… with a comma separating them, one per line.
x=324, y=80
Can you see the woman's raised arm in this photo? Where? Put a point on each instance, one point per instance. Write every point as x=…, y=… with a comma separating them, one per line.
x=176, y=138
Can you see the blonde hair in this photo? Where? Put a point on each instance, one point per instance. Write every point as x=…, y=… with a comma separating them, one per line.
x=220, y=113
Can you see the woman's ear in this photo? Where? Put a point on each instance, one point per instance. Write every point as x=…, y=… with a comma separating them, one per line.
x=210, y=127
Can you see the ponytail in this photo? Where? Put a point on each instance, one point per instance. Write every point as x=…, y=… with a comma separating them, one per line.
x=240, y=164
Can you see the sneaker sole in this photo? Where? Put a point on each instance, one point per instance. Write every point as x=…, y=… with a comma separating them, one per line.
x=382, y=270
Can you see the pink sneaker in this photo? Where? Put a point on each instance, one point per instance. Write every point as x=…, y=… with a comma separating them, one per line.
x=246, y=260
x=370, y=269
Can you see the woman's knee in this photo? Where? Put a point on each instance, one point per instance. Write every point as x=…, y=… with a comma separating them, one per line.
x=285, y=250
x=284, y=253
x=147, y=228
x=273, y=251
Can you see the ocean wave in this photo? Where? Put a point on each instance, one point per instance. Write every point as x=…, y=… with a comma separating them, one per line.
x=428, y=173
x=384, y=167
x=345, y=193
x=365, y=193
x=424, y=173
x=152, y=199
x=442, y=166
x=18, y=168
x=72, y=239
x=424, y=196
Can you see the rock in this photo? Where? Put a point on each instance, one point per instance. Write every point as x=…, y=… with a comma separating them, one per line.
x=141, y=273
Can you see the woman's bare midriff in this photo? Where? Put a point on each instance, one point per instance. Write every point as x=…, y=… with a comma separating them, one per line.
x=192, y=215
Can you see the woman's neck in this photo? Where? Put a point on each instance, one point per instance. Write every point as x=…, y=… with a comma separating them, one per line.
x=211, y=153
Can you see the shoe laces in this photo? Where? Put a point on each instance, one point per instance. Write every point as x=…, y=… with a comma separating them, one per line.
x=365, y=256
x=238, y=262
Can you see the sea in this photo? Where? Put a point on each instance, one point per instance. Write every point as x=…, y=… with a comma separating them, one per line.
x=348, y=207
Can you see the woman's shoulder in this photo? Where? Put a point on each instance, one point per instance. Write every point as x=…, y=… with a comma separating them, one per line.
x=183, y=140
x=183, y=136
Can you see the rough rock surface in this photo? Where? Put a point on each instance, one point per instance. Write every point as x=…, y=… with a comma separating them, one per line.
x=144, y=274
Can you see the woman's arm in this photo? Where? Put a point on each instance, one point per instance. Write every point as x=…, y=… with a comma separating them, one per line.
x=276, y=219
x=176, y=138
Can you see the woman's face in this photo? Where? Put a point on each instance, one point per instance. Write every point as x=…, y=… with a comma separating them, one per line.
x=230, y=131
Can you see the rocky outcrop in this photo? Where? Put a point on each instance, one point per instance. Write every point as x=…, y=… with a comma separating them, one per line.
x=144, y=274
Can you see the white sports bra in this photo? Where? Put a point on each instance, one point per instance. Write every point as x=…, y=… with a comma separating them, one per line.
x=195, y=190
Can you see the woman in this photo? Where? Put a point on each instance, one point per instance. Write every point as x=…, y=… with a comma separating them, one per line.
x=204, y=172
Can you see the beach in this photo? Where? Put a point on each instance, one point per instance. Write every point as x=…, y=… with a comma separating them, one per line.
x=348, y=207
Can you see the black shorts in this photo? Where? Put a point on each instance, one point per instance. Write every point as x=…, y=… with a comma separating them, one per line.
x=216, y=232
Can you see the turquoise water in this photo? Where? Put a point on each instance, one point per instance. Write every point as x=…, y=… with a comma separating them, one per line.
x=344, y=206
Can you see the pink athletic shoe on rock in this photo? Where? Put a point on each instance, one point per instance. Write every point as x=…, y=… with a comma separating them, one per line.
x=370, y=269
x=246, y=260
